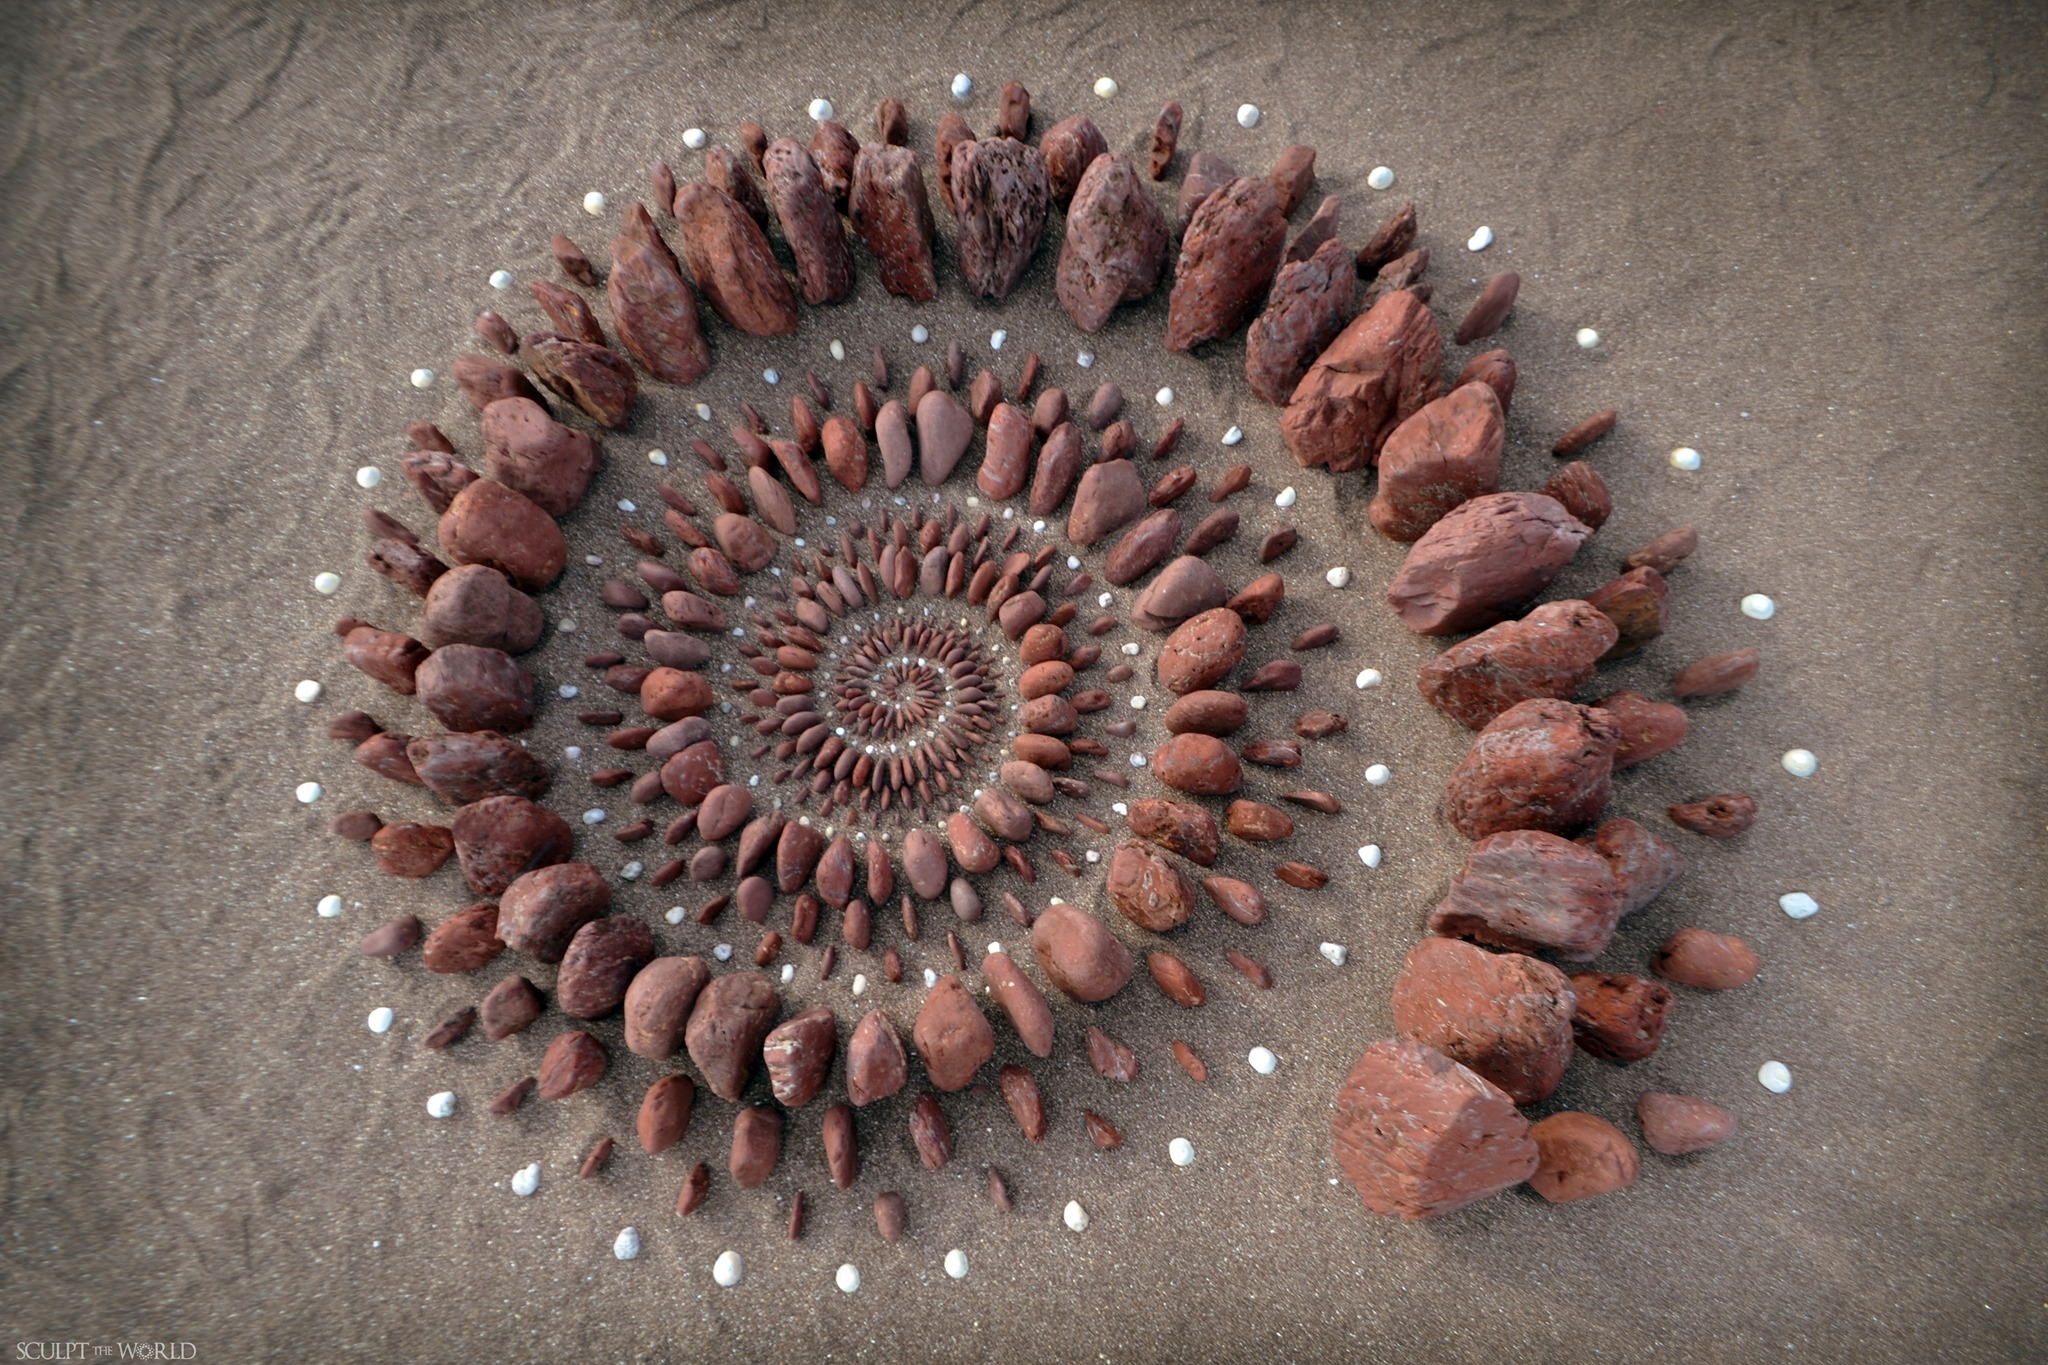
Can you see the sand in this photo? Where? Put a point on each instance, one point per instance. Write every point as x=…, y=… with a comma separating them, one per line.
x=1811, y=240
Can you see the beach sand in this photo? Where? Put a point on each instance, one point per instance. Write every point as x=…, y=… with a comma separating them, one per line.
x=1811, y=240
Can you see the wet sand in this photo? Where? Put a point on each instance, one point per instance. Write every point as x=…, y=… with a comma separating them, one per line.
x=1811, y=242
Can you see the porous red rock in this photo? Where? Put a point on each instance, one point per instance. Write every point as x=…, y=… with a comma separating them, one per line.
x=834, y=149
x=952, y=1035
x=461, y=768
x=1185, y=588
x=658, y=1004
x=1580, y=1156
x=595, y=379
x=474, y=604
x=1147, y=888
x=438, y=476
x=1311, y=302
x=1115, y=244
x=810, y=222
x=876, y=1066
x=1078, y=953
x=1207, y=173
x=1507, y=1016
x=1706, y=961
x=469, y=687
x=1381, y=369
x=731, y=261
x=756, y=1145
x=1619, y=1018
x=1228, y=256
x=1070, y=147
x=1635, y=602
x=727, y=173
x=798, y=1053
x=502, y=837
x=574, y=1061
x=402, y=561
x=1677, y=1124
x=540, y=912
x=1110, y=497
x=1482, y=560
x=727, y=1025
x=655, y=313
x=490, y=524
x=1531, y=891
x=1708, y=677
x=1200, y=652
x=1419, y=1135
x=1165, y=137
x=484, y=381
x=1643, y=865
x=1551, y=652
x=1648, y=728
x=1446, y=453
x=1717, y=817
x=1001, y=197
x=1186, y=829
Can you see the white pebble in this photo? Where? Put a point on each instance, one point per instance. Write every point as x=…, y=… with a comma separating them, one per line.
x=657, y=457
x=838, y=349
x=1800, y=762
x=441, y=1105
x=963, y=86
x=1339, y=577
x=631, y=871
x=1263, y=1061
x=1233, y=436
x=931, y=978
x=423, y=378
x=723, y=952
x=572, y=752
x=369, y=476
x=993, y=947
x=381, y=1019
x=1181, y=1152
x=526, y=1180
x=593, y=203
x=329, y=907
x=626, y=1246
x=848, y=1278
x=1164, y=398
x=674, y=914
x=568, y=691
x=326, y=584
x=1137, y=760
x=703, y=412
x=1137, y=703
x=1588, y=338
x=566, y=627
x=920, y=334
x=728, y=1269
x=997, y=338
x=1370, y=855
x=308, y=691
x=1105, y=88
x=594, y=561
x=1775, y=1077
x=1092, y=856
x=956, y=1263
x=1381, y=177
x=694, y=139
x=1686, y=458
x=308, y=793
x=1121, y=808
x=501, y=279
x=1334, y=953
x=1086, y=360
x=771, y=377
x=1758, y=607
x=1799, y=905
x=1076, y=1217
x=820, y=110
x=1130, y=648
x=1367, y=677
x=1480, y=240
x=860, y=984
x=1285, y=497
x=593, y=816
x=1247, y=115
x=1379, y=775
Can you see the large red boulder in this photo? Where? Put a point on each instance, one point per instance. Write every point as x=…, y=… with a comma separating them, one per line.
x=1379, y=370
x=1532, y=892
x=1419, y=1135
x=1447, y=453
x=1540, y=764
x=1505, y=1015
x=1481, y=561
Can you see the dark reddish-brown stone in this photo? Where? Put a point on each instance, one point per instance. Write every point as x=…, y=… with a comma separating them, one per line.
x=756, y=1145
x=1648, y=728
x=1112, y=1060
x=412, y=850
x=1207, y=173
x=1531, y=891
x=597, y=380
x=1419, y=1135
x=973, y=850
x=952, y=1035
x=1142, y=547
x=730, y=259
x=1059, y=465
x=1255, y=822
x=1496, y=370
x=1197, y=1070
x=392, y=937
x=655, y=313
x=403, y=562
x=1165, y=138
x=1006, y=463
x=1717, y=817
x=1379, y=371
x=1582, y=492
x=1447, y=453
x=502, y=837
x=1490, y=309
x=1027, y=1106
x=511, y=1007
x=924, y=863
x=1020, y=999
x=1706, y=961
x=574, y=1061
x=1238, y=899
x=1186, y=829
x=1078, y=953
x=689, y=775
x=438, y=476
x=1208, y=713
x=1293, y=173
x=574, y=263
x=1666, y=552
x=474, y=604
x=1111, y=496
x=1311, y=303
x=1275, y=675
x=540, y=912
x=465, y=941
x=1505, y=1015
x=944, y=431
x=727, y=1025
x=484, y=381
x=601, y=962
x=947, y=138
x=889, y=1206
x=665, y=1113
x=658, y=1004
x=810, y=221
x=1320, y=228
x=1116, y=241
x=798, y=1054
x=1001, y=197
x=876, y=1066
x=1580, y=1156
x=1228, y=256
x=1587, y=432
x=497, y=332
x=1619, y=1018
x=1643, y=865
x=490, y=524
x=1677, y=1124
x=726, y=172
x=1551, y=652
x=469, y=687
x=931, y=1133
x=387, y=656
x=1070, y=147
x=1635, y=602
x=1716, y=674
x=1198, y=764
x=1175, y=979
x=1482, y=560
x=1185, y=588
x=842, y=1146
x=1145, y=885
x=1401, y=275
x=461, y=768
x=1201, y=651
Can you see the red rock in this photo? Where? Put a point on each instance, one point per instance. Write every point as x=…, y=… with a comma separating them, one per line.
x=1708, y=677
x=1207, y=173
x=574, y=263
x=489, y=524
x=1717, y=817
x=463, y=942
x=756, y=1145
x=876, y=1066
x=1201, y=651
x=1580, y=1156
x=1275, y=675
x=1619, y=1018
x=1635, y=603
x=931, y=1133
x=384, y=754
x=412, y=850
x=1531, y=891
x=1506, y=1016
x=1198, y=764
x=1116, y=241
x=1311, y=303
x=727, y=1025
x=511, y=1007
x=1540, y=764
x=1643, y=865
x=1150, y=891
x=484, y=381
x=574, y=1061
x=924, y=862
x=1070, y=147
x=1480, y=561
x=1186, y=588
x=1205, y=712
x=950, y=134
x=1239, y=900
x=1165, y=136
x=798, y=1054
x=1059, y=465
x=810, y=222
x=658, y=1004
x=1585, y=433
x=1401, y=275
x=601, y=962
x=1490, y=309
x=972, y=850
x=724, y=171
x=889, y=1206
x=1228, y=256
x=1190, y=1063
x=1258, y=823
x=1294, y=171
x=1078, y=954
x=1142, y=547
x=387, y=656
x=437, y=476
x=1447, y=453
x=1496, y=370
x=393, y=937
x=944, y=431
x=690, y=775
x=1000, y=196
x=1419, y=1136
x=1551, y=652
x=1581, y=492
x=540, y=912
x=1186, y=829
x=477, y=605
x=1021, y=1000
x=403, y=562
x=596, y=380
x=1706, y=961
x=1006, y=464
x=1110, y=497
x=1677, y=1124
x=501, y=837
x=842, y=1149
x=730, y=259
x=1321, y=228
x=1381, y=369
x=952, y=1035
x=1112, y=1060
x=1175, y=979
x=655, y=313
x=468, y=687
x=665, y=1113
x=497, y=332
x=1666, y=552
x=1648, y=728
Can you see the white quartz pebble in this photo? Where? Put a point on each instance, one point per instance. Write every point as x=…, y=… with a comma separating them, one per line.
x=631, y=871
x=963, y=86
x=920, y=334
x=703, y=412
x=1480, y=240
x=723, y=952
x=931, y=978
x=381, y=1019
x=326, y=584
x=771, y=377
x=1233, y=436
x=526, y=1180
x=860, y=984
x=1263, y=1061
x=1075, y=1216
x=847, y=1278
x=1334, y=953
x=1137, y=703
x=308, y=793
x=329, y=907
x=572, y=752
x=423, y=378
x=1086, y=360
x=838, y=349
x=441, y=1104
x=1775, y=1077
x=997, y=338
x=1379, y=775
x=1164, y=398
x=569, y=691
x=593, y=816
x=1758, y=607
x=1285, y=497
x=1799, y=905
x=1137, y=760
x=1247, y=115
x=694, y=139
x=1120, y=807
x=1368, y=677
x=956, y=1263
x=788, y=972
x=1339, y=577
x=1381, y=177
x=1370, y=855
x=1105, y=88
x=1587, y=338
x=1800, y=762
x=820, y=110
x=593, y=203
x=369, y=476
x=1685, y=458
x=728, y=1269
x=657, y=457
x=501, y=279
x=626, y=1246
x=1181, y=1152
x=674, y=914
x=308, y=691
